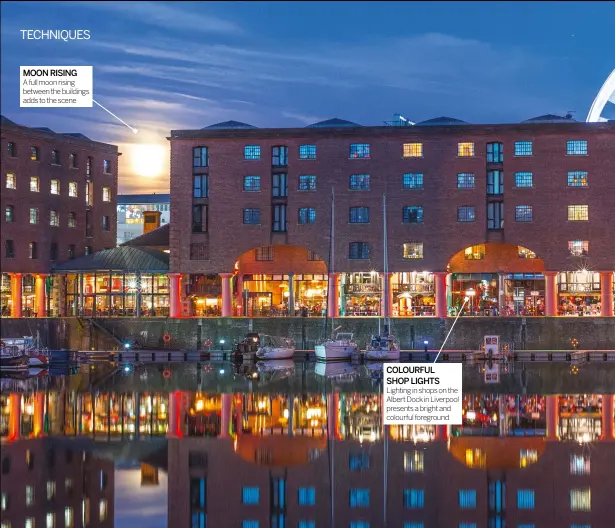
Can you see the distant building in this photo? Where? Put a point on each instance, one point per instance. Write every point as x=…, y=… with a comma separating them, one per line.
x=130, y=209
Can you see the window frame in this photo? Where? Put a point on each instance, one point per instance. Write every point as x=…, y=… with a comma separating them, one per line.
x=412, y=150
x=311, y=185
x=309, y=215
x=358, y=214
x=407, y=217
x=279, y=156
x=572, y=147
x=405, y=253
x=359, y=182
x=360, y=151
x=251, y=152
x=307, y=150
x=521, y=176
x=251, y=213
x=204, y=188
x=497, y=154
x=255, y=185
x=466, y=149
x=197, y=157
x=467, y=209
x=362, y=251
x=521, y=149
x=573, y=179
x=463, y=178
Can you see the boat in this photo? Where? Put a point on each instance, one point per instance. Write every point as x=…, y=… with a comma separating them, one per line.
x=274, y=347
x=384, y=347
x=342, y=346
x=12, y=358
x=38, y=356
x=246, y=349
x=337, y=370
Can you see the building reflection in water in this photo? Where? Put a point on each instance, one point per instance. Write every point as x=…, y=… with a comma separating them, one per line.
x=300, y=460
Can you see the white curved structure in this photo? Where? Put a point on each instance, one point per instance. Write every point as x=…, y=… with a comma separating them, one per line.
x=605, y=95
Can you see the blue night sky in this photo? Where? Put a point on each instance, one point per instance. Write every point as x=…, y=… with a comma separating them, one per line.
x=162, y=66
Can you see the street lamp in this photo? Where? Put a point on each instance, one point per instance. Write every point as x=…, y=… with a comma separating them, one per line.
x=425, y=342
x=471, y=292
x=222, y=344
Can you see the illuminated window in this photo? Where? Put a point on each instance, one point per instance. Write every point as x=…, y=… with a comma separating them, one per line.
x=576, y=148
x=475, y=252
x=55, y=157
x=33, y=215
x=72, y=220
x=413, y=250
x=527, y=457
x=4, y=502
x=465, y=150
x=72, y=189
x=359, y=524
x=413, y=150
x=524, y=252
x=412, y=180
x=72, y=161
x=106, y=197
x=54, y=186
x=252, y=183
x=358, y=461
x=525, y=499
x=307, y=215
x=524, y=180
x=414, y=461
x=102, y=510
x=581, y=499
x=578, y=213
x=250, y=495
x=29, y=522
x=249, y=524
x=200, y=157
x=54, y=218
x=9, y=213
x=264, y=254
x=69, y=519
x=307, y=496
x=33, y=249
x=577, y=179
x=358, y=251
x=11, y=182
x=307, y=151
x=523, y=148
x=50, y=520
x=359, y=215
x=580, y=465
x=476, y=458
x=34, y=153
x=106, y=225
x=412, y=214
x=467, y=499
x=466, y=213
x=29, y=495
x=306, y=524
x=307, y=182
x=359, y=498
x=360, y=151
x=251, y=152
x=33, y=184
x=524, y=213
x=495, y=152
x=359, y=182
x=466, y=180
x=106, y=167
x=578, y=248
x=414, y=498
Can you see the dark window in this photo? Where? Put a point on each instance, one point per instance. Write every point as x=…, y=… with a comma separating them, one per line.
x=72, y=161
x=72, y=220
x=466, y=180
x=264, y=254
x=251, y=183
x=50, y=457
x=200, y=186
x=9, y=252
x=495, y=182
x=495, y=153
x=251, y=152
x=9, y=213
x=105, y=223
x=359, y=182
x=55, y=157
x=6, y=465
x=279, y=156
x=199, y=218
x=106, y=166
x=358, y=251
x=307, y=182
x=34, y=153
x=466, y=213
x=199, y=251
x=11, y=149
x=307, y=215
x=198, y=492
x=68, y=455
x=279, y=218
x=252, y=216
x=71, y=251
x=412, y=214
x=307, y=151
x=358, y=461
x=412, y=180
x=200, y=157
x=88, y=166
x=495, y=215
x=33, y=251
x=279, y=186
x=360, y=150
x=53, y=251
x=359, y=215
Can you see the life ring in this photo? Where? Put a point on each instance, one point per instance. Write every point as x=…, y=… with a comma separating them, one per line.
x=166, y=373
x=166, y=338
x=208, y=342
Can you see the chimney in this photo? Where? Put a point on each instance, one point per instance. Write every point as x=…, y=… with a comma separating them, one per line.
x=151, y=220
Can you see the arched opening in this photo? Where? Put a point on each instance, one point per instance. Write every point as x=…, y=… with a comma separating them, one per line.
x=28, y=295
x=6, y=300
x=498, y=279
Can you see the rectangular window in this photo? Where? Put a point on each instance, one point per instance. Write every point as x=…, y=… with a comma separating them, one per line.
x=72, y=220
x=415, y=524
x=465, y=150
x=252, y=183
x=72, y=189
x=358, y=251
x=495, y=182
x=524, y=180
x=578, y=213
x=306, y=524
x=307, y=215
x=412, y=180
x=525, y=499
x=307, y=496
x=199, y=251
x=473, y=525
x=466, y=213
x=106, y=225
x=279, y=219
x=495, y=215
x=71, y=251
x=11, y=182
x=53, y=251
x=89, y=190
x=466, y=180
x=359, y=182
x=72, y=161
x=577, y=179
x=9, y=214
x=578, y=248
x=88, y=250
x=359, y=524
x=414, y=461
x=412, y=214
x=279, y=187
x=312, y=256
x=307, y=182
x=11, y=149
x=106, y=197
x=279, y=156
x=358, y=461
x=359, y=498
x=576, y=148
x=359, y=215
x=55, y=157
x=495, y=153
x=580, y=465
x=360, y=151
x=524, y=213
x=264, y=254
x=523, y=148
x=33, y=215
x=102, y=510
x=412, y=150
x=29, y=495
x=33, y=250
x=200, y=157
x=414, y=498
x=307, y=151
x=251, y=152
x=88, y=166
x=54, y=218
x=34, y=153
x=467, y=499
x=252, y=216
x=525, y=253
x=199, y=218
x=33, y=184
x=581, y=499
x=413, y=250
x=249, y=495
x=30, y=522
x=200, y=186
x=9, y=250
x=106, y=167
x=69, y=519
x=249, y=524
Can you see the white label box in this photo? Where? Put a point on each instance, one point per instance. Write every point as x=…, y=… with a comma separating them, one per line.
x=422, y=393
x=55, y=86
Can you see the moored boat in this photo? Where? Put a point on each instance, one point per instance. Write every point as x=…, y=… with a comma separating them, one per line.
x=246, y=349
x=11, y=358
x=274, y=347
x=382, y=348
x=342, y=347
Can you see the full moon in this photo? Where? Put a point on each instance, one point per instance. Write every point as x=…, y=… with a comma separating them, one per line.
x=148, y=160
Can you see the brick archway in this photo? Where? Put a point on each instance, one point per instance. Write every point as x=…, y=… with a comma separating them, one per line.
x=496, y=257
x=276, y=259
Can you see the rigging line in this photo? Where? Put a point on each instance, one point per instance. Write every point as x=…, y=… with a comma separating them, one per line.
x=465, y=301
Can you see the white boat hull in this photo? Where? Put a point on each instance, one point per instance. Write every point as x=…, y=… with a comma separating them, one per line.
x=39, y=361
x=275, y=353
x=382, y=355
x=332, y=351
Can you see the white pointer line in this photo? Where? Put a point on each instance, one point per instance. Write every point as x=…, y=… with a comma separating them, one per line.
x=108, y=111
x=452, y=326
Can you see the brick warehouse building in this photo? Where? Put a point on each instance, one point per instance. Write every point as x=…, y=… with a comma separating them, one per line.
x=59, y=202
x=516, y=215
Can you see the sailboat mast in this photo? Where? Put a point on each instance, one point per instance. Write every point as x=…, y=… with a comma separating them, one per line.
x=386, y=264
x=331, y=262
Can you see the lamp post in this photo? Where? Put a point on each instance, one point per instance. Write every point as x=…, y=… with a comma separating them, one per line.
x=471, y=292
